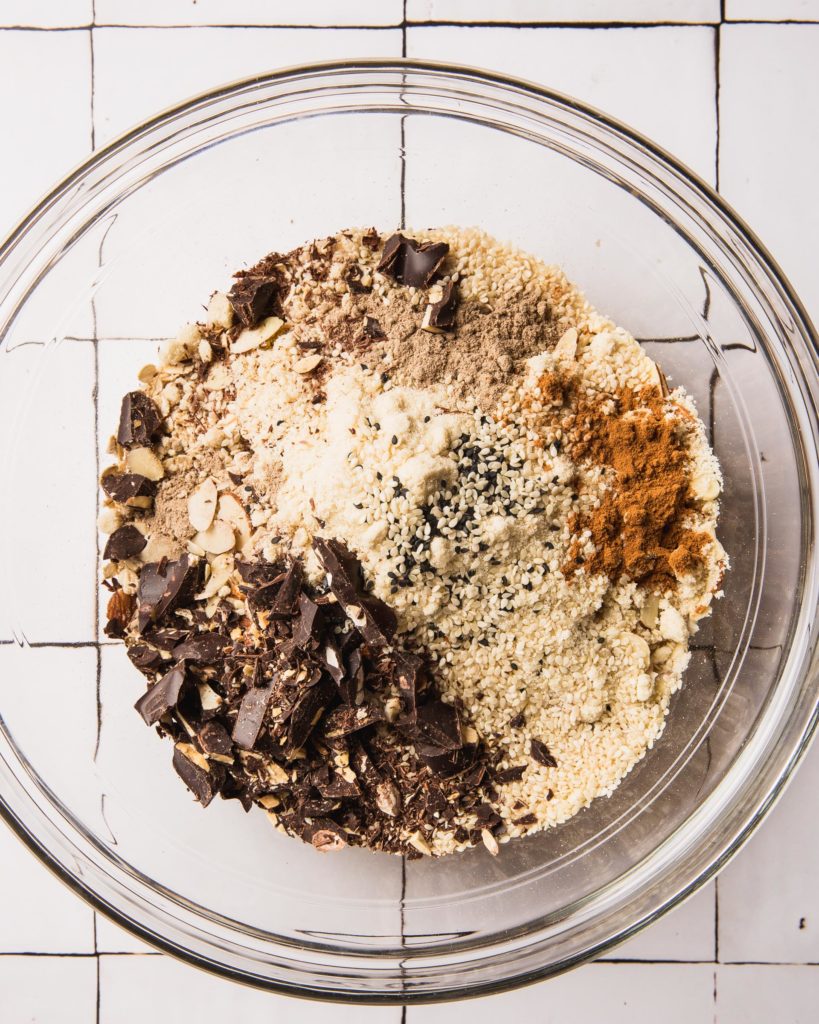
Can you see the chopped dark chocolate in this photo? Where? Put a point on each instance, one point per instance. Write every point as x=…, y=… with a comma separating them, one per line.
x=287, y=596
x=518, y=721
x=354, y=280
x=412, y=263
x=540, y=753
x=206, y=647
x=510, y=774
x=372, y=328
x=251, y=715
x=255, y=297
x=214, y=739
x=129, y=489
x=437, y=728
x=140, y=422
x=162, y=696
x=375, y=620
x=123, y=543
x=343, y=721
x=310, y=623
x=440, y=315
x=526, y=819
x=203, y=784
x=163, y=586
x=147, y=659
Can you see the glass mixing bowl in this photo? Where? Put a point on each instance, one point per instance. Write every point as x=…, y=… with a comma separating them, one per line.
x=124, y=251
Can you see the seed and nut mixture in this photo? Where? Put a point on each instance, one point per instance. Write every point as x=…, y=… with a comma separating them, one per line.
x=409, y=542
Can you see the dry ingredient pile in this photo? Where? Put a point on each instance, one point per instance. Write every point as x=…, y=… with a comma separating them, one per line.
x=409, y=543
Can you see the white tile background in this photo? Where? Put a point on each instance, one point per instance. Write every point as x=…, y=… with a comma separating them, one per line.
x=730, y=88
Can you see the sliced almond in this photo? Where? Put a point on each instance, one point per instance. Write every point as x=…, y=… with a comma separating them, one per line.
x=566, y=348
x=276, y=775
x=220, y=311
x=193, y=755
x=147, y=373
x=705, y=486
x=220, y=572
x=269, y=801
x=144, y=462
x=252, y=338
x=489, y=841
x=231, y=509
x=158, y=547
x=217, y=539
x=208, y=697
x=650, y=611
x=417, y=840
x=307, y=363
x=202, y=504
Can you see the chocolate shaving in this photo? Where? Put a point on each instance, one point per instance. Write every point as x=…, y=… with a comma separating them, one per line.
x=354, y=278
x=162, y=696
x=255, y=297
x=287, y=597
x=518, y=721
x=123, y=543
x=310, y=623
x=140, y=422
x=540, y=753
x=412, y=263
x=213, y=739
x=510, y=774
x=437, y=729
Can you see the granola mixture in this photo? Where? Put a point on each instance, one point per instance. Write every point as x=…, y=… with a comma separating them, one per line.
x=409, y=542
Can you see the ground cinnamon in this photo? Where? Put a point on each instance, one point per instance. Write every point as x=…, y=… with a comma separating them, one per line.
x=639, y=530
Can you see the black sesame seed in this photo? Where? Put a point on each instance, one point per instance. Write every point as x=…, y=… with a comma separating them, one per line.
x=394, y=439
x=549, y=545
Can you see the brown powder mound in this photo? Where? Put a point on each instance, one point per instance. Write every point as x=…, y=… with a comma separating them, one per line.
x=638, y=531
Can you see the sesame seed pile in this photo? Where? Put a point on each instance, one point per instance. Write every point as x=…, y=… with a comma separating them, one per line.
x=466, y=515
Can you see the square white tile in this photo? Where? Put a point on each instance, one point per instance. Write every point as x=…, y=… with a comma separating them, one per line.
x=766, y=994
x=608, y=69
x=46, y=13
x=564, y=10
x=188, y=61
x=47, y=127
x=771, y=10
x=113, y=939
x=685, y=933
x=614, y=993
x=134, y=988
x=769, y=141
x=248, y=12
x=768, y=896
x=27, y=888
x=48, y=990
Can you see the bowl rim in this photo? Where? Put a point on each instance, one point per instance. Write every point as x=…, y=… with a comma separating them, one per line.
x=725, y=211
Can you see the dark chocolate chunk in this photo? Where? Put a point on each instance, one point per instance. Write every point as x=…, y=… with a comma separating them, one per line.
x=204, y=785
x=332, y=785
x=410, y=673
x=486, y=816
x=510, y=774
x=255, y=297
x=540, y=753
x=527, y=819
x=372, y=328
x=166, y=638
x=129, y=489
x=287, y=596
x=306, y=713
x=440, y=315
x=371, y=239
x=213, y=739
x=343, y=721
x=352, y=686
x=375, y=620
x=162, y=696
x=310, y=623
x=354, y=279
x=412, y=263
x=205, y=647
x=163, y=586
x=140, y=422
x=146, y=659
x=518, y=721
x=123, y=543
x=437, y=728
x=251, y=715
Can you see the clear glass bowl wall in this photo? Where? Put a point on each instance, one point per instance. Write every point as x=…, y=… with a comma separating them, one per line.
x=129, y=248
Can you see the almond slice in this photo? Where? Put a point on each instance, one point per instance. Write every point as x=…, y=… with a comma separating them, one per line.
x=202, y=504
x=232, y=511
x=145, y=463
x=252, y=338
x=220, y=571
x=307, y=364
x=217, y=539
